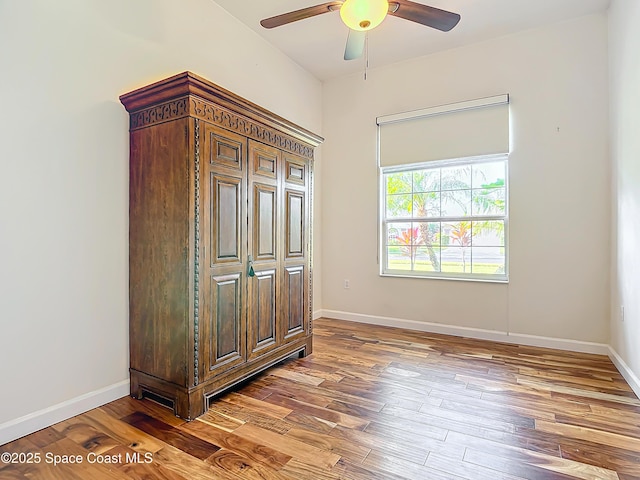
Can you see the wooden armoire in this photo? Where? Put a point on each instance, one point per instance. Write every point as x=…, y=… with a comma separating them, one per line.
x=219, y=240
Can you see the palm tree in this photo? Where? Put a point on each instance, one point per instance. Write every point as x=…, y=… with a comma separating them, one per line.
x=439, y=187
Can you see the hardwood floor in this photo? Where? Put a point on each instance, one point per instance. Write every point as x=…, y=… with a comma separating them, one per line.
x=370, y=403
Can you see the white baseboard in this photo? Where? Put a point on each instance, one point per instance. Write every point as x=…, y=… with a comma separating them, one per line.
x=477, y=333
x=559, y=343
x=35, y=421
x=627, y=373
x=415, y=325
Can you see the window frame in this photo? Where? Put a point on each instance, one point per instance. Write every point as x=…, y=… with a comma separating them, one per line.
x=384, y=271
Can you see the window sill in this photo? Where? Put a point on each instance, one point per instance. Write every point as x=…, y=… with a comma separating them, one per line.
x=502, y=280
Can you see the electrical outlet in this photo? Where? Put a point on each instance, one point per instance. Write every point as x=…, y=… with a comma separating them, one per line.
x=346, y=283
x=622, y=313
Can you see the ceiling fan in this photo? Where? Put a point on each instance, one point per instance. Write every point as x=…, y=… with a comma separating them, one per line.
x=363, y=15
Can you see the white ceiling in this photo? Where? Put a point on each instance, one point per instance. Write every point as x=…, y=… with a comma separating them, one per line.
x=317, y=44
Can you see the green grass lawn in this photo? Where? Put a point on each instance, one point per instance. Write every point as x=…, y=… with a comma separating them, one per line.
x=447, y=267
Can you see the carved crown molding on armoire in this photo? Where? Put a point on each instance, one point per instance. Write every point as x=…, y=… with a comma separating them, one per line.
x=188, y=94
x=219, y=240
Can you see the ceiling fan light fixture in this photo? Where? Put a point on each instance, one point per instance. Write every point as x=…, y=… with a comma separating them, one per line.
x=363, y=15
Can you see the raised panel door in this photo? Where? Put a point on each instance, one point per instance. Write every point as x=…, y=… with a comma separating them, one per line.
x=294, y=300
x=264, y=249
x=223, y=250
x=295, y=282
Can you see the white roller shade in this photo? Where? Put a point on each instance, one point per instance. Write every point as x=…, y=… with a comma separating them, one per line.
x=466, y=129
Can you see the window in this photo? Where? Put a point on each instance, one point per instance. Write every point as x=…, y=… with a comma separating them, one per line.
x=446, y=219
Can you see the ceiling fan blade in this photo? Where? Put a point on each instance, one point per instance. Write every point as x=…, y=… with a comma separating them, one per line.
x=355, y=44
x=301, y=14
x=424, y=14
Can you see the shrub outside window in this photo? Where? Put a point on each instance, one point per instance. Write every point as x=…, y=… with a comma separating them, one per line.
x=446, y=219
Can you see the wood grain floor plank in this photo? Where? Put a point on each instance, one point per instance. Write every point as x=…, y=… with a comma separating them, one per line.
x=83, y=468
x=549, y=405
x=327, y=414
x=243, y=467
x=23, y=446
x=623, y=397
x=391, y=424
x=353, y=471
x=289, y=446
x=487, y=412
x=344, y=448
x=617, y=425
x=406, y=431
x=630, y=413
x=298, y=470
x=517, y=460
x=309, y=422
x=433, y=372
x=190, y=467
x=250, y=415
x=138, y=467
x=280, y=386
x=11, y=472
x=379, y=392
x=255, y=451
x=45, y=437
x=526, y=414
x=623, y=476
x=583, y=433
x=392, y=446
x=467, y=470
x=495, y=385
x=326, y=393
x=447, y=419
x=524, y=468
x=262, y=406
x=611, y=458
x=402, y=468
x=614, y=402
x=405, y=351
x=325, y=373
x=510, y=446
x=173, y=436
x=87, y=436
x=218, y=420
x=296, y=376
x=120, y=431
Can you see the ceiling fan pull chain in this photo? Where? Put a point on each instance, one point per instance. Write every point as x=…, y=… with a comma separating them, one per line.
x=366, y=54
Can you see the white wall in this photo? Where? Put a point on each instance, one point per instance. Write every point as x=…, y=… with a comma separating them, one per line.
x=559, y=174
x=624, y=45
x=64, y=171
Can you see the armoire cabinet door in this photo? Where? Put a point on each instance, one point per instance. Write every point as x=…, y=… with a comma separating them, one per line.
x=295, y=278
x=264, y=243
x=223, y=248
x=255, y=222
